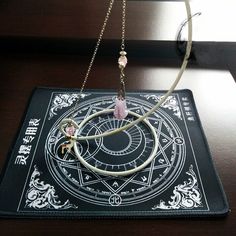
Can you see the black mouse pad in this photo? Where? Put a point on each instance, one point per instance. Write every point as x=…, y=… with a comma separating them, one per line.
x=39, y=181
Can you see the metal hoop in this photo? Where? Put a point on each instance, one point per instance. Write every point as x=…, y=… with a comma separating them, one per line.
x=113, y=173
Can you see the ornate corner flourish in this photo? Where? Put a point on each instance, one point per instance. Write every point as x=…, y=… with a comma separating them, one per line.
x=171, y=103
x=186, y=195
x=63, y=100
x=43, y=196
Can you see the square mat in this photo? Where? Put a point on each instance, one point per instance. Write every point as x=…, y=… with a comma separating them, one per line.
x=181, y=181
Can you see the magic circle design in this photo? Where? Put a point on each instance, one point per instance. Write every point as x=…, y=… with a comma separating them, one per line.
x=117, y=153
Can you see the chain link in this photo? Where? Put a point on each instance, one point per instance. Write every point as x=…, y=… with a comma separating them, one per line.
x=121, y=92
x=123, y=24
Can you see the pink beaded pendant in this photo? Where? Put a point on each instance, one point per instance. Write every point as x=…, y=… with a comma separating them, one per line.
x=70, y=130
x=122, y=61
x=120, y=111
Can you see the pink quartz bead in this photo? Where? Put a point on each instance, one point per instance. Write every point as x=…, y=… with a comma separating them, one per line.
x=122, y=61
x=120, y=111
x=70, y=130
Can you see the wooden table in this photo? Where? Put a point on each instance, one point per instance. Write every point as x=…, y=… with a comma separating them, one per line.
x=22, y=69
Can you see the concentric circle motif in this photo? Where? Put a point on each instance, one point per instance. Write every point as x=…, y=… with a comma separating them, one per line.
x=119, y=152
